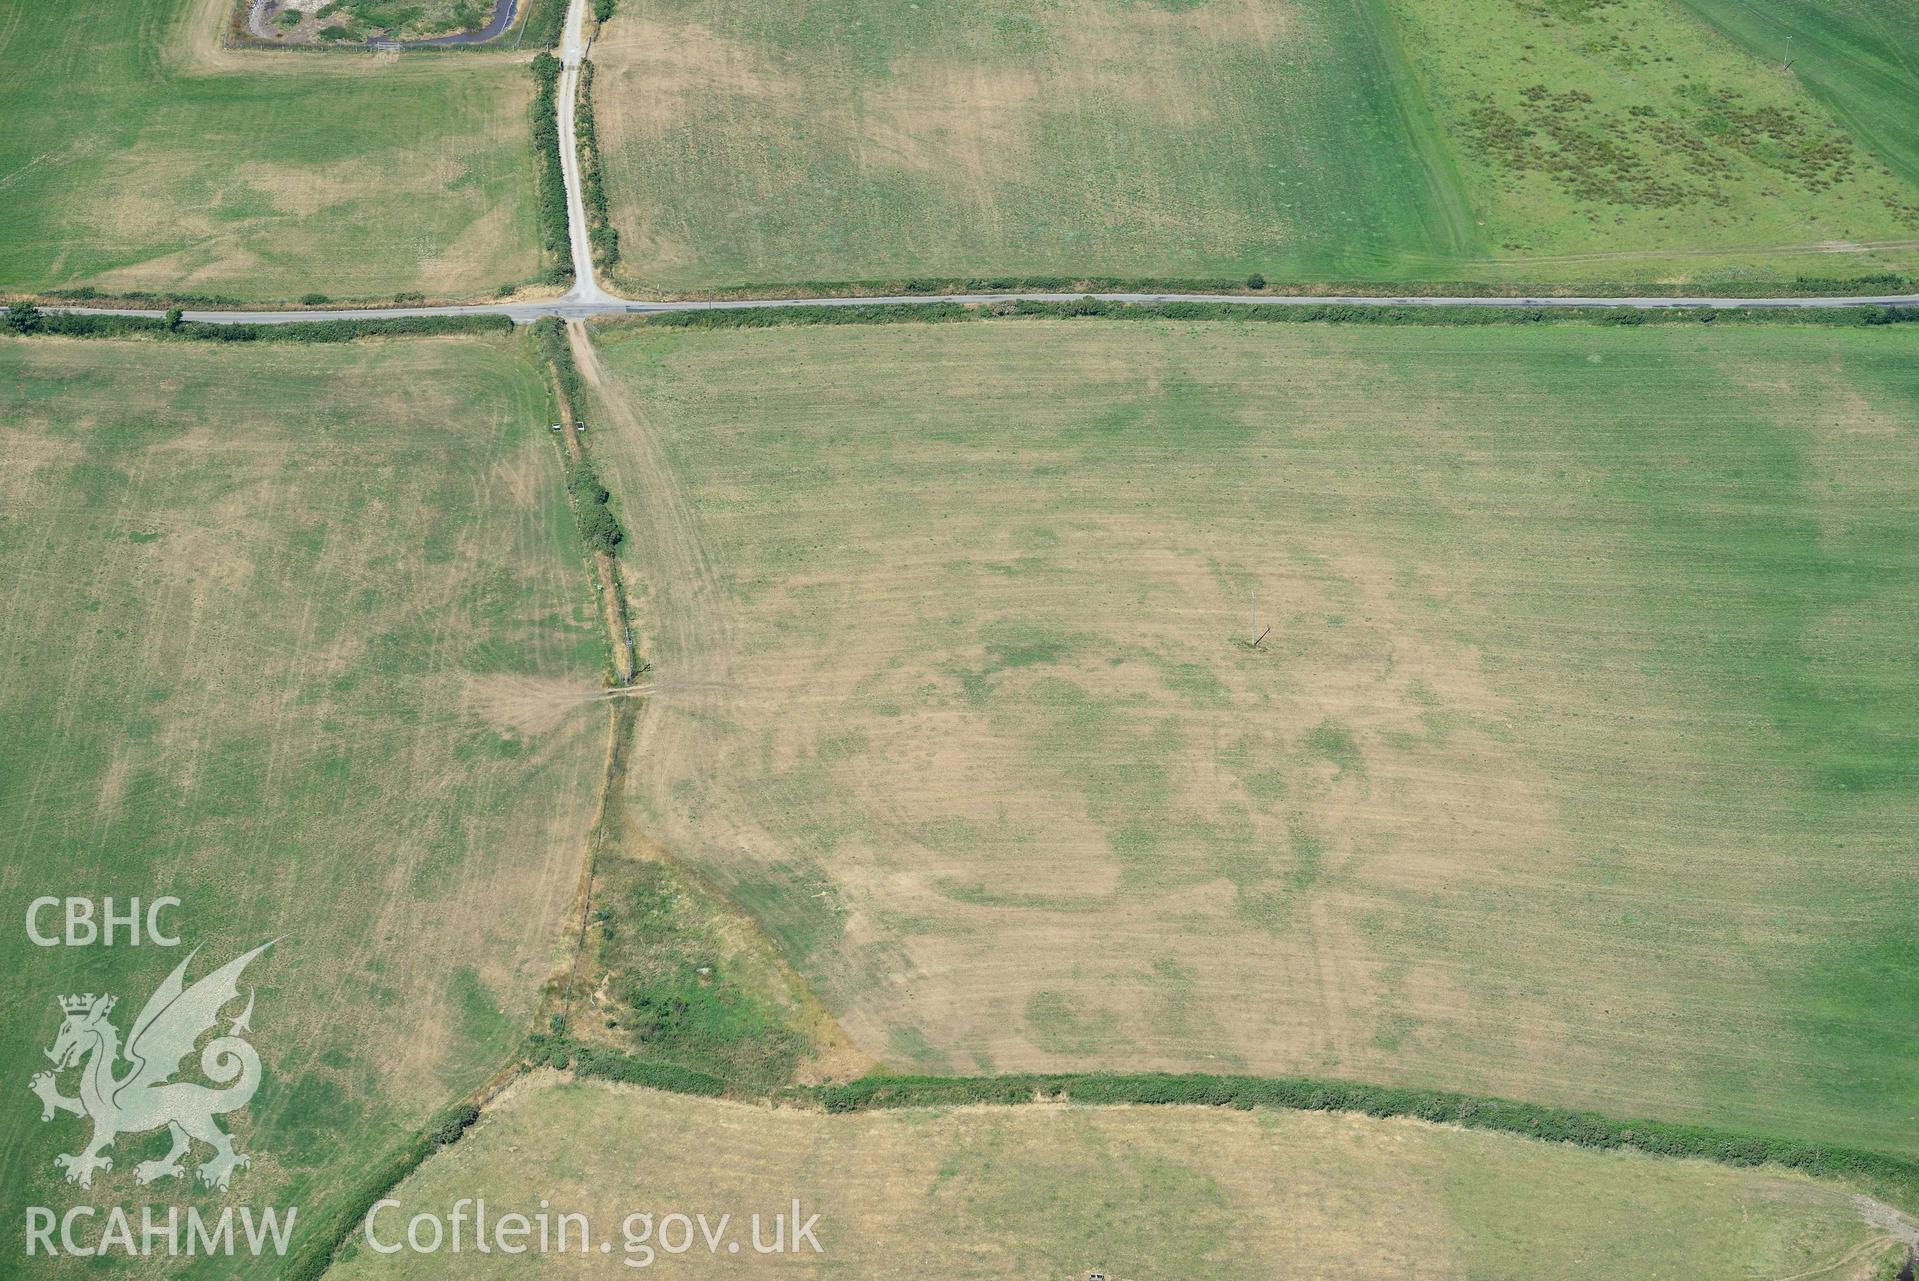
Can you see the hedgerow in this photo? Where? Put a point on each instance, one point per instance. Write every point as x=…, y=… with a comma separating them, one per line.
x=613, y=1065
x=550, y=179
x=814, y=314
x=1270, y=313
x=550, y=334
x=1586, y=1129
x=599, y=528
x=601, y=237
x=323, y=1236
x=1797, y=287
x=81, y=324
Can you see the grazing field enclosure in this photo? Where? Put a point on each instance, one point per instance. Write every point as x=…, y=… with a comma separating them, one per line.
x=139, y=156
x=298, y=634
x=768, y=142
x=1859, y=57
x=1135, y=1192
x=1578, y=765
x=1417, y=140
x=1625, y=140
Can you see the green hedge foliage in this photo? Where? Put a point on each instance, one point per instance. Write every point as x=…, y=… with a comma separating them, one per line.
x=551, y=178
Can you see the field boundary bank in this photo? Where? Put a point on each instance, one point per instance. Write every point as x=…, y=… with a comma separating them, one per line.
x=221, y=306
x=58, y=323
x=1451, y=315
x=599, y=542
x=603, y=240
x=1872, y=285
x=549, y=172
x=1888, y=1173
x=744, y=314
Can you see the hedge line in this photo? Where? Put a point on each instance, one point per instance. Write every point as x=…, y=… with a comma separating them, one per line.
x=550, y=179
x=87, y=293
x=815, y=314
x=603, y=239
x=1586, y=1129
x=326, y=1235
x=550, y=333
x=1318, y=313
x=1799, y=286
x=613, y=1065
x=95, y=325
x=599, y=528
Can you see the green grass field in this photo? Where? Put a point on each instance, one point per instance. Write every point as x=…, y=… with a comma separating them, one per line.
x=1579, y=766
x=762, y=143
x=139, y=156
x=1622, y=140
x=1133, y=1192
x=1616, y=141
x=1858, y=57
x=299, y=634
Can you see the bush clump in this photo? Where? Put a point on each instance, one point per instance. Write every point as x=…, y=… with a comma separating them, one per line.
x=456, y=1123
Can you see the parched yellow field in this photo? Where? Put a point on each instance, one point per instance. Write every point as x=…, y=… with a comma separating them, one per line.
x=1577, y=766
x=1134, y=1192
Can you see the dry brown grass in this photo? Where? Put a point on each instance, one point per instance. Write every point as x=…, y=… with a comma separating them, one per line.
x=283, y=622
x=954, y=696
x=1042, y=1191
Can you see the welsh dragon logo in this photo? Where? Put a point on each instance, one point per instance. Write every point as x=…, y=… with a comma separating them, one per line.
x=142, y=1098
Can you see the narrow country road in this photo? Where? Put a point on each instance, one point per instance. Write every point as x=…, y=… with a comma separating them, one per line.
x=588, y=298
x=586, y=289
x=591, y=301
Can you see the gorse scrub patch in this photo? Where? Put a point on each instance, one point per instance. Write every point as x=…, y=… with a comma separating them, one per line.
x=674, y=995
